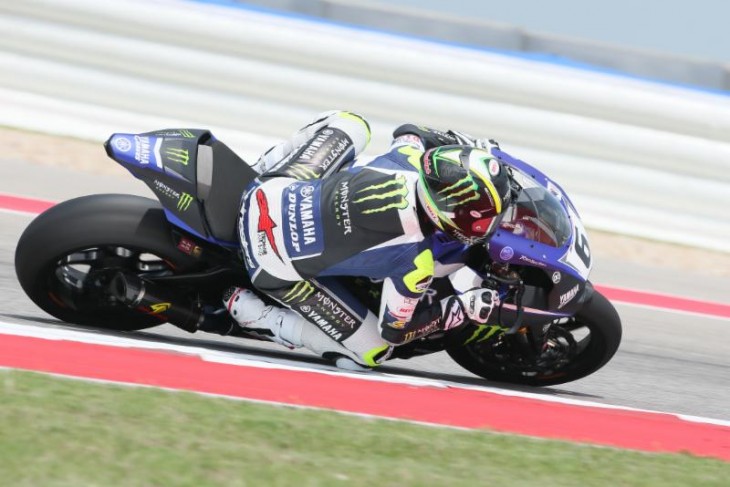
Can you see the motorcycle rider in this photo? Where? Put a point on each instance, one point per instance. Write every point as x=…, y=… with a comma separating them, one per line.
x=305, y=221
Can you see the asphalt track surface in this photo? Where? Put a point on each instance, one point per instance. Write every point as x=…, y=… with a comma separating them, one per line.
x=668, y=361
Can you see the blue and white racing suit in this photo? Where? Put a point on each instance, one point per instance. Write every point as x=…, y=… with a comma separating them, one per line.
x=304, y=222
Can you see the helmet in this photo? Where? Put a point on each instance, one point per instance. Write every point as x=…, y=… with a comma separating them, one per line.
x=463, y=189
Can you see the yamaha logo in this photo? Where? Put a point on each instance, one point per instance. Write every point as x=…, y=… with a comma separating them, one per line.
x=307, y=190
x=122, y=144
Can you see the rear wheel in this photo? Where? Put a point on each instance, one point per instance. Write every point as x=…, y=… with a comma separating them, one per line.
x=67, y=256
x=574, y=349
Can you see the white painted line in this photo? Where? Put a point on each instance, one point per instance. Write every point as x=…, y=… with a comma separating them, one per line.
x=243, y=360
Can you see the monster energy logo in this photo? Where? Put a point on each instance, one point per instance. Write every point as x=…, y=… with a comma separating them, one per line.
x=302, y=172
x=187, y=134
x=184, y=202
x=465, y=188
x=484, y=333
x=388, y=195
x=300, y=292
x=181, y=156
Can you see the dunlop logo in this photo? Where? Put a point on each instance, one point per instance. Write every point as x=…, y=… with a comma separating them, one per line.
x=181, y=156
x=184, y=202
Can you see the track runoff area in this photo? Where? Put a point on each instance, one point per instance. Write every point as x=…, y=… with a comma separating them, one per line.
x=92, y=356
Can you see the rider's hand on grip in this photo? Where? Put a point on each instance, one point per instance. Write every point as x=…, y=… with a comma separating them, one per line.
x=478, y=303
x=466, y=139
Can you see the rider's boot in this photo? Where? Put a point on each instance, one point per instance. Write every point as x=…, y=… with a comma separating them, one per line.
x=286, y=327
x=281, y=325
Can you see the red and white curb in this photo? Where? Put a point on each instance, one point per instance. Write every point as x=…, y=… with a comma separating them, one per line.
x=99, y=357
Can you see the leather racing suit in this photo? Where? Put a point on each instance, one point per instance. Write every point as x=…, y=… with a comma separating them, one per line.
x=306, y=220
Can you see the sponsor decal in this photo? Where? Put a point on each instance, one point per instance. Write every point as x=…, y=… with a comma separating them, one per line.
x=484, y=333
x=304, y=221
x=494, y=167
x=423, y=331
x=426, y=164
x=342, y=207
x=242, y=237
x=381, y=197
x=184, y=133
x=166, y=190
x=142, y=149
x=313, y=162
x=184, y=202
x=159, y=308
x=556, y=277
x=506, y=253
x=462, y=191
x=411, y=140
x=187, y=246
x=177, y=155
x=122, y=144
x=335, y=310
x=313, y=316
x=266, y=225
x=299, y=293
x=534, y=262
x=568, y=297
x=438, y=133
x=455, y=316
x=403, y=312
x=398, y=325
x=311, y=149
x=322, y=310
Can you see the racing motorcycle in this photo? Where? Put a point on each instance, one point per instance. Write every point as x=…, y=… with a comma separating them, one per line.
x=127, y=263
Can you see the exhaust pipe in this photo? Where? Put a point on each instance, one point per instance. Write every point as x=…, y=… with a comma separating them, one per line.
x=156, y=300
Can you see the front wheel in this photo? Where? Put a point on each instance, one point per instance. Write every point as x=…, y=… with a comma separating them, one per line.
x=67, y=256
x=576, y=348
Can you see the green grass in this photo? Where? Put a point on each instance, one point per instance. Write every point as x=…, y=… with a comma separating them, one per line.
x=62, y=432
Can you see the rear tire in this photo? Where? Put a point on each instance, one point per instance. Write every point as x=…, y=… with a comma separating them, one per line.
x=100, y=233
x=597, y=315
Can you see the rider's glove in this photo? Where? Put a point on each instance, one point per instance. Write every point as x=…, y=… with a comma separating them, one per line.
x=478, y=303
x=466, y=139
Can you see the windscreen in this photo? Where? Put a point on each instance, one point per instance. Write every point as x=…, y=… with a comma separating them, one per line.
x=536, y=214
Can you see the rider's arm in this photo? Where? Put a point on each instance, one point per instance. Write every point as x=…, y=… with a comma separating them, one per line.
x=425, y=138
x=406, y=316
x=318, y=149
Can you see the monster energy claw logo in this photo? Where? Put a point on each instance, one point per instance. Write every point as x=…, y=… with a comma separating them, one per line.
x=462, y=191
x=300, y=292
x=302, y=172
x=187, y=134
x=184, y=202
x=385, y=196
x=181, y=156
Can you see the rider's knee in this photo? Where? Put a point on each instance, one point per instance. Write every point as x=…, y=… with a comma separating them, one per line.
x=352, y=124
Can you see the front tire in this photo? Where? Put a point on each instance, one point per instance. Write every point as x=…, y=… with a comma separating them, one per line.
x=66, y=256
x=594, y=350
